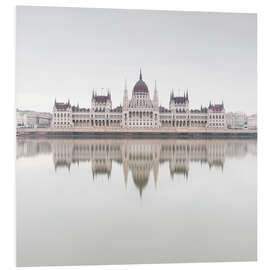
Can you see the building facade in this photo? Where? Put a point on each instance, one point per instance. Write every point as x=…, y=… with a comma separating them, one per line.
x=237, y=120
x=140, y=111
x=252, y=121
x=32, y=119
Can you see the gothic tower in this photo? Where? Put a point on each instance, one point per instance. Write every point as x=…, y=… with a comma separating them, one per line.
x=125, y=107
x=125, y=98
x=155, y=100
x=156, y=107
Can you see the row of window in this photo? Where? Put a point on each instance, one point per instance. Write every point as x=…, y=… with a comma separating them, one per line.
x=61, y=123
x=216, y=116
x=141, y=124
x=96, y=116
x=140, y=113
x=198, y=116
x=61, y=114
x=216, y=125
x=134, y=114
x=181, y=111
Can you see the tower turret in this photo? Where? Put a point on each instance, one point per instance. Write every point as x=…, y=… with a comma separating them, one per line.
x=125, y=98
x=155, y=100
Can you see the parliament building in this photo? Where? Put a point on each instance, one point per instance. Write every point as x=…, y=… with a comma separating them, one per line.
x=139, y=111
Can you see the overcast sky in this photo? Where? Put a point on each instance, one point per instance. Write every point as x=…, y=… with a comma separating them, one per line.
x=65, y=53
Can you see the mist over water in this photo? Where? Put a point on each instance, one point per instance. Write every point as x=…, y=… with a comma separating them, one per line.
x=89, y=201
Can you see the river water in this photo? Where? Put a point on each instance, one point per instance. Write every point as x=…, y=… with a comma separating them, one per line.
x=89, y=201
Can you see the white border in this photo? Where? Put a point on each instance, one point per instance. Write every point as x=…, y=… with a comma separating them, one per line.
x=7, y=61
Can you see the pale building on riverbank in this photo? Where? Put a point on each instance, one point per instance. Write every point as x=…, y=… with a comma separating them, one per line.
x=237, y=120
x=252, y=121
x=32, y=119
x=139, y=111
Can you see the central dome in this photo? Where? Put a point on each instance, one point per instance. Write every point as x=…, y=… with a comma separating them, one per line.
x=140, y=85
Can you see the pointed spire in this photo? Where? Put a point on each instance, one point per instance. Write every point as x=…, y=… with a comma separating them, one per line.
x=187, y=94
x=155, y=99
x=140, y=74
x=125, y=97
x=172, y=94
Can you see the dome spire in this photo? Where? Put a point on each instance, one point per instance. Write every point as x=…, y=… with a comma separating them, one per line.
x=155, y=99
x=125, y=98
x=140, y=85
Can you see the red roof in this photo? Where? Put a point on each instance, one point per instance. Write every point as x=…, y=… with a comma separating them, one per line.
x=61, y=106
x=102, y=99
x=216, y=108
x=77, y=109
x=179, y=100
x=141, y=87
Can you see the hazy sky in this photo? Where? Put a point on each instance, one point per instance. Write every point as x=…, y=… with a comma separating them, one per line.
x=67, y=52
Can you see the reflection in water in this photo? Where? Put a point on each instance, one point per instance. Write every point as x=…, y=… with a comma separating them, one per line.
x=73, y=208
x=138, y=157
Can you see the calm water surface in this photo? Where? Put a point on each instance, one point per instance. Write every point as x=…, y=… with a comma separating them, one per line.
x=135, y=201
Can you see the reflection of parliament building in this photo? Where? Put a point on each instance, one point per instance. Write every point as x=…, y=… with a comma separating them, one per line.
x=139, y=158
x=138, y=112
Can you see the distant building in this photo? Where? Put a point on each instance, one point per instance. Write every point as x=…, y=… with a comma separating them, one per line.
x=32, y=119
x=138, y=112
x=19, y=118
x=237, y=120
x=252, y=121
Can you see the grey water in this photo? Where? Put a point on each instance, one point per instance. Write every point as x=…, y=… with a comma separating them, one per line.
x=101, y=201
